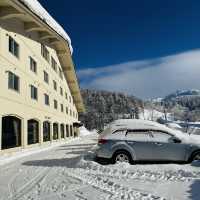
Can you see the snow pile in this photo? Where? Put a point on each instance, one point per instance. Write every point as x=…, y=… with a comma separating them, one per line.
x=124, y=181
x=38, y=10
x=84, y=131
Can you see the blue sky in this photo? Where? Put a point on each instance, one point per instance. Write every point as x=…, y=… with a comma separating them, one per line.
x=107, y=33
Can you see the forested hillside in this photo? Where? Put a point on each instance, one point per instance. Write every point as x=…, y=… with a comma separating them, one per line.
x=102, y=107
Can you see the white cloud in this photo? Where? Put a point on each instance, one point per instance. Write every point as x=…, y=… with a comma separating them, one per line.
x=147, y=78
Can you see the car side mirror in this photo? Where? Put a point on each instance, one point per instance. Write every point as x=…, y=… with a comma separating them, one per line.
x=175, y=140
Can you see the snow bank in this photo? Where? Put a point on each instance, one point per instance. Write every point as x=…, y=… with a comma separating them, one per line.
x=38, y=10
x=125, y=181
x=84, y=131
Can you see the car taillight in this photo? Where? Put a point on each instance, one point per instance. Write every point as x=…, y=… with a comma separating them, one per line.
x=102, y=141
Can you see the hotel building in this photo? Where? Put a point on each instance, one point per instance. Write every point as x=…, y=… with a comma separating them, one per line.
x=39, y=93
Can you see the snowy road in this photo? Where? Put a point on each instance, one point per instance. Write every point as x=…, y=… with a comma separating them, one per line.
x=68, y=172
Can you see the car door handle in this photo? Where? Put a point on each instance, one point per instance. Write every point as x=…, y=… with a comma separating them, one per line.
x=158, y=143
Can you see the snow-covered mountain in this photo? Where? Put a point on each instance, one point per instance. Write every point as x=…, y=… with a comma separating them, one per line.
x=183, y=93
x=184, y=104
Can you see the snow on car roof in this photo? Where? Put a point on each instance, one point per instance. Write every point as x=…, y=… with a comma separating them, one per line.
x=40, y=11
x=138, y=124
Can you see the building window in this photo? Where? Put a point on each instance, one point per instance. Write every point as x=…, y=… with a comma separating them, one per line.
x=46, y=131
x=70, y=112
x=61, y=91
x=66, y=110
x=11, y=132
x=33, y=65
x=46, y=77
x=62, y=130
x=13, y=81
x=67, y=130
x=55, y=104
x=54, y=85
x=55, y=131
x=13, y=47
x=60, y=74
x=70, y=99
x=46, y=99
x=33, y=131
x=53, y=64
x=61, y=107
x=45, y=52
x=66, y=97
x=71, y=130
x=34, y=92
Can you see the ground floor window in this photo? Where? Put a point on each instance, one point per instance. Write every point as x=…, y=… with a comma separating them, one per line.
x=71, y=131
x=46, y=131
x=75, y=132
x=55, y=131
x=62, y=130
x=33, y=131
x=11, y=132
x=67, y=131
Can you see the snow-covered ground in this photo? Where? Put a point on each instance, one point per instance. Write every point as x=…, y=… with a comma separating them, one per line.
x=152, y=114
x=70, y=172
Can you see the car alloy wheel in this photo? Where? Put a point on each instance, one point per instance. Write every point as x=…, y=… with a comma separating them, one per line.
x=197, y=156
x=122, y=157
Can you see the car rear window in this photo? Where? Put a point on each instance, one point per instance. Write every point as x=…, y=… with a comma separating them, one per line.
x=106, y=131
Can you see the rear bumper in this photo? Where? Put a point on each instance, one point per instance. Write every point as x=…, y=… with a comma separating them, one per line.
x=102, y=153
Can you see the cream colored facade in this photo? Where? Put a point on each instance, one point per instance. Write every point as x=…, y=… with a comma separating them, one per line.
x=19, y=103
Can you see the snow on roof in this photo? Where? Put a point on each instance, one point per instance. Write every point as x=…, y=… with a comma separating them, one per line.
x=38, y=10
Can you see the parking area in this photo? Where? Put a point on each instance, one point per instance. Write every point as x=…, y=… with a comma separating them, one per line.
x=69, y=171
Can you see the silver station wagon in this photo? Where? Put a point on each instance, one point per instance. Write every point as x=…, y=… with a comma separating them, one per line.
x=140, y=140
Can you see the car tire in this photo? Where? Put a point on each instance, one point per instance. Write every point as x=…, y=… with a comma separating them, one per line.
x=122, y=156
x=195, y=156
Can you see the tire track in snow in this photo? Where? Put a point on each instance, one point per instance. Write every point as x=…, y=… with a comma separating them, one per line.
x=56, y=184
x=114, y=190
x=30, y=184
x=11, y=184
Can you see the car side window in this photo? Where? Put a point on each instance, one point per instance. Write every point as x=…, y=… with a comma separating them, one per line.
x=160, y=136
x=118, y=134
x=137, y=135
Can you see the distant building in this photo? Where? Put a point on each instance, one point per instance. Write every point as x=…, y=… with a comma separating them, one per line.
x=39, y=93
